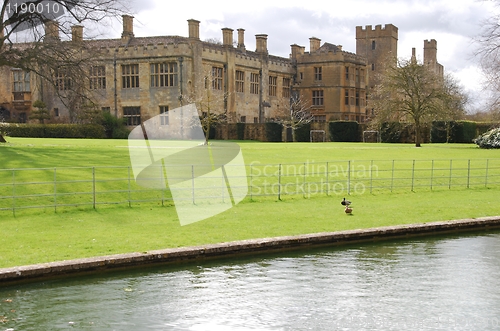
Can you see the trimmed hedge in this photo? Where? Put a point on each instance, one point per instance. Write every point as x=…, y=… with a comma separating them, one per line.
x=439, y=132
x=344, y=131
x=240, y=131
x=274, y=132
x=483, y=127
x=391, y=132
x=57, y=131
x=462, y=132
x=453, y=131
x=303, y=133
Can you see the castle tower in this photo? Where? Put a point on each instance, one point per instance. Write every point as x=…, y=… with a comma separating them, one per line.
x=430, y=56
x=377, y=46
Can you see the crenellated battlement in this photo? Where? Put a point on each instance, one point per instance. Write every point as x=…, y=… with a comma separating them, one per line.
x=388, y=30
x=430, y=43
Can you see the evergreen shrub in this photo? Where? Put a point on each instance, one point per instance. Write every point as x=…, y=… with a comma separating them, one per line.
x=57, y=131
x=274, y=132
x=303, y=133
x=240, y=131
x=344, y=131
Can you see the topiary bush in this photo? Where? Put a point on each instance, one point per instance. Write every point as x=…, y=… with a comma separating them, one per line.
x=390, y=132
x=303, y=133
x=345, y=131
x=273, y=132
x=490, y=139
x=240, y=131
x=114, y=127
x=439, y=132
x=461, y=131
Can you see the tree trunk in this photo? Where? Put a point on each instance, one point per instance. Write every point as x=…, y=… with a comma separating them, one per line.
x=417, y=134
x=2, y=139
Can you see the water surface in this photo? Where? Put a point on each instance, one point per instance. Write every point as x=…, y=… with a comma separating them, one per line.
x=439, y=283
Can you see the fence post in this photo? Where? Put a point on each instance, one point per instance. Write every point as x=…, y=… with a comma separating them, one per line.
x=392, y=176
x=14, y=192
x=192, y=184
x=412, y=175
x=223, y=183
x=371, y=176
x=349, y=177
x=55, y=190
x=304, y=183
x=279, y=182
x=327, y=180
x=486, y=174
x=432, y=172
x=129, y=188
x=93, y=187
x=164, y=186
x=468, y=174
x=251, y=182
x=449, y=181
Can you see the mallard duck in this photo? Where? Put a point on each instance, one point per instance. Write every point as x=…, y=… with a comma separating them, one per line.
x=348, y=210
x=345, y=202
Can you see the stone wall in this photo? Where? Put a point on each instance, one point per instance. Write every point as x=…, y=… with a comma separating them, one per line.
x=178, y=255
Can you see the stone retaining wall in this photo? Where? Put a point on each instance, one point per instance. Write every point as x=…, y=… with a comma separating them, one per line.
x=175, y=255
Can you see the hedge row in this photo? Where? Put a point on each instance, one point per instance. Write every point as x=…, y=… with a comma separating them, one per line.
x=457, y=131
x=56, y=131
x=341, y=131
x=274, y=132
x=345, y=131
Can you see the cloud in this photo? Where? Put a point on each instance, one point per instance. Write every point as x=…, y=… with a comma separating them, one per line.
x=452, y=23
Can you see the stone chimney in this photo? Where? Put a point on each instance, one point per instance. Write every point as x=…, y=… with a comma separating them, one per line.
x=227, y=37
x=296, y=51
x=128, y=27
x=77, y=33
x=52, y=30
x=413, y=54
x=261, y=41
x=314, y=44
x=241, y=39
x=194, y=29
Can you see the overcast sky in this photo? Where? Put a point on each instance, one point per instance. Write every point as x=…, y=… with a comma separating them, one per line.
x=453, y=23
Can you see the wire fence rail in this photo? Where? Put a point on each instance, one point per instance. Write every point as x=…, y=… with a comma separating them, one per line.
x=57, y=188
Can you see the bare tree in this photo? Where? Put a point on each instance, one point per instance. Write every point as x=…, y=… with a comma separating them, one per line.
x=209, y=97
x=488, y=54
x=295, y=114
x=410, y=91
x=47, y=51
x=3, y=129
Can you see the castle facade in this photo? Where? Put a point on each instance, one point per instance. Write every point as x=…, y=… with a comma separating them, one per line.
x=138, y=78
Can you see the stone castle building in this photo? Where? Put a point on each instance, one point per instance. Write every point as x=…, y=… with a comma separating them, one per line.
x=138, y=78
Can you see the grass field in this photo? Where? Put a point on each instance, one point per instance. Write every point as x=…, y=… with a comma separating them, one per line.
x=36, y=236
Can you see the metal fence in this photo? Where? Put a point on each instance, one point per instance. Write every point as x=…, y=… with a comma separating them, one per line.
x=56, y=188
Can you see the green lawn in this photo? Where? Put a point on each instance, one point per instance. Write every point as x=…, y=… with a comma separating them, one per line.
x=48, y=153
x=42, y=235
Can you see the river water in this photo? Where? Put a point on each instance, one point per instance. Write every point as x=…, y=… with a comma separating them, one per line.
x=436, y=283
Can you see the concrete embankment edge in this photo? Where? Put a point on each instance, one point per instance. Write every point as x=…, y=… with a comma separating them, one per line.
x=175, y=255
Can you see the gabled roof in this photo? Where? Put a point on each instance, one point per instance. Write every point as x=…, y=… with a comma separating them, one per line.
x=327, y=47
